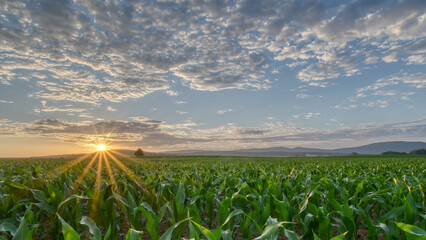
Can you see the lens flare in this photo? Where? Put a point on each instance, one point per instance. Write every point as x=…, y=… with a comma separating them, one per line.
x=101, y=147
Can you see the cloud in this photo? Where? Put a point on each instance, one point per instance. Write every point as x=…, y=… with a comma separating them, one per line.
x=377, y=103
x=143, y=131
x=390, y=58
x=311, y=115
x=349, y=107
x=413, y=80
x=390, y=28
x=56, y=109
x=172, y=93
x=302, y=95
x=154, y=134
x=231, y=137
x=251, y=131
x=220, y=112
x=109, y=108
x=84, y=51
x=387, y=90
x=318, y=72
x=5, y=101
x=121, y=50
x=416, y=59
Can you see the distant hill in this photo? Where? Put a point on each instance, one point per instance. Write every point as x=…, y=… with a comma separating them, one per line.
x=374, y=148
x=377, y=148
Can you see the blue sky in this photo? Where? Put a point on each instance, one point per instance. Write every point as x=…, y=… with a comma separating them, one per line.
x=170, y=75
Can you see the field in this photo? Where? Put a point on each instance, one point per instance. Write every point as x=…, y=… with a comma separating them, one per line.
x=104, y=197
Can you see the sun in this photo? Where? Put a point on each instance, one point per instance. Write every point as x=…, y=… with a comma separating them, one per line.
x=101, y=147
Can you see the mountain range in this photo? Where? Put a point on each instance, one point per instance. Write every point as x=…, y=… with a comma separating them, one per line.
x=374, y=148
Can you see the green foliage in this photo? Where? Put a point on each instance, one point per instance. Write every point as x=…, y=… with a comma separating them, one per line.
x=393, y=153
x=418, y=152
x=412, y=232
x=139, y=153
x=68, y=231
x=93, y=229
x=168, y=198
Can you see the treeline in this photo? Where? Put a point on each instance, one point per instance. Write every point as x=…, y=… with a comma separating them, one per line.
x=413, y=152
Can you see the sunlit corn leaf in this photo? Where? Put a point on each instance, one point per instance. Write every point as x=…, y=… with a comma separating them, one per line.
x=207, y=233
x=339, y=237
x=68, y=232
x=192, y=231
x=133, y=234
x=272, y=228
x=417, y=232
x=93, y=229
x=169, y=232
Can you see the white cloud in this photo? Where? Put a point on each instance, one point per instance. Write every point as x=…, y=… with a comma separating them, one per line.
x=311, y=115
x=387, y=90
x=377, y=103
x=109, y=108
x=302, y=95
x=172, y=93
x=351, y=106
x=318, y=72
x=416, y=59
x=390, y=58
x=224, y=111
x=56, y=109
x=296, y=64
x=86, y=115
x=371, y=59
x=413, y=80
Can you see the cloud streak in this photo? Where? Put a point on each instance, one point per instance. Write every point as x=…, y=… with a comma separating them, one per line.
x=161, y=136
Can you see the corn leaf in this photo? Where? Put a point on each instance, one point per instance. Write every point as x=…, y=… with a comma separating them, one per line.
x=93, y=229
x=133, y=234
x=68, y=232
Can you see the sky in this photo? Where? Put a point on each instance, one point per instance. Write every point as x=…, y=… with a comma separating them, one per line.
x=195, y=74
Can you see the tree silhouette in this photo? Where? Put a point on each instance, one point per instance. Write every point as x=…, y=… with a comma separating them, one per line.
x=418, y=152
x=139, y=153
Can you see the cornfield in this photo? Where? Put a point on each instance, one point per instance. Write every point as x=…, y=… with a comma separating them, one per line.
x=104, y=197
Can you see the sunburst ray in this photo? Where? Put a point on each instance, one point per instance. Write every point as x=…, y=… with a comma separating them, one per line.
x=94, y=208
x=139, y=181
x=61, y=169
x=110, y=172
x=120, y=154
x=85, y=170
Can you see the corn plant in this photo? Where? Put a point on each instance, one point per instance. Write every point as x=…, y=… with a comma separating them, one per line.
x=171, y=198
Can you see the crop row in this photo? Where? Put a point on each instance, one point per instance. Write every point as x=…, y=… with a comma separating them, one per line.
x=214, y=198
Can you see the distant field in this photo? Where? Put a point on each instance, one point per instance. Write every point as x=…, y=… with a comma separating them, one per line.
x=107, y=197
